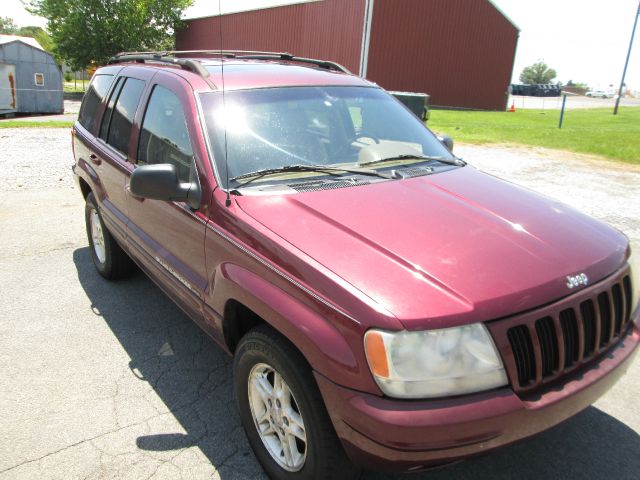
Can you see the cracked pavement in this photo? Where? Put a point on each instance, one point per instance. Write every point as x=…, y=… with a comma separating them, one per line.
x=105, y=380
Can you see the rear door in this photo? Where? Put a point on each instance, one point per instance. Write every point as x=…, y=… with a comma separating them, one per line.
x=111, y=148
x=167, y=236
x=85, y=144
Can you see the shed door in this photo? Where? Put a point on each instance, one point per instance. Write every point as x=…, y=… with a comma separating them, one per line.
x=8, y=97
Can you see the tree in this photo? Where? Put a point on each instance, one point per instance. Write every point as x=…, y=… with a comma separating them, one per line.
x=43, y=38
x=91, y=31
x=8, y=26
x=571, y=83
x=539, y=72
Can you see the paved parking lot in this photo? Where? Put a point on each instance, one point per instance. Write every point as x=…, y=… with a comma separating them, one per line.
x=110, y=380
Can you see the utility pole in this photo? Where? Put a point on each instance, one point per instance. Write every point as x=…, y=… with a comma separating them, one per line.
x=626, y=63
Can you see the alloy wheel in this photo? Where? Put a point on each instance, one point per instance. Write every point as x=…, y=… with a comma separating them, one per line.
x=277, y=417
x=97, y=236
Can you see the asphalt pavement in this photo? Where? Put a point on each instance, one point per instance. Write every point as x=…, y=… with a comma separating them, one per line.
x=105, y=380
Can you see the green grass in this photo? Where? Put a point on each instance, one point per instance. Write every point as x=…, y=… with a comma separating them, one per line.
x=32, y=124
x=592, y=131
x=77, y=87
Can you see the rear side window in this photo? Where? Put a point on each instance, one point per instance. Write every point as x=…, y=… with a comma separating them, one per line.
x=119, y=119
x=164, y=137
x=108, y=112
x=92, y=99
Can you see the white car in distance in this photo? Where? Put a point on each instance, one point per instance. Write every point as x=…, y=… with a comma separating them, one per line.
x=600, y=94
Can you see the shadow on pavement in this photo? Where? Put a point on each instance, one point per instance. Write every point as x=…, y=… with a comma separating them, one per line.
x=192, y=376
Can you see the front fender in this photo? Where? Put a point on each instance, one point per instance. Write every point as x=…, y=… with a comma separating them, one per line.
x=332, y=346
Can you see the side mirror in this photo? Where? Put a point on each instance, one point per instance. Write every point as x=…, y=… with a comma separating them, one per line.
x=160, y=182
x=447, y=141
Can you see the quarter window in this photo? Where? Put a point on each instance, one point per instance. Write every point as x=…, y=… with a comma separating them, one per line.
x=121, y=118
x=164, y=137
x=92, y=99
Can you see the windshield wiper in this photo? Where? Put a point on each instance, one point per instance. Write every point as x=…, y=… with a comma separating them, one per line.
x=449, y=161
x=332, y=170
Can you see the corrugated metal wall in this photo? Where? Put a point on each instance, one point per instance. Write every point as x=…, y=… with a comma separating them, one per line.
x=461, y=52
x=28, y=61
x=330, y=29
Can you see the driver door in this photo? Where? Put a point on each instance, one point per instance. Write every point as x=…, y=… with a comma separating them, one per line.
x=168, y=236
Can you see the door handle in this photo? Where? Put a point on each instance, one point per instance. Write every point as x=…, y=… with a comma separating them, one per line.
x=94, y=158
x=128, y=190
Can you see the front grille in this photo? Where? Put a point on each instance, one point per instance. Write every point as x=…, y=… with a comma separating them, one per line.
x=548, y=345
x=540, y=346
x=569, y=324
x=523, y=352
x=604, y=307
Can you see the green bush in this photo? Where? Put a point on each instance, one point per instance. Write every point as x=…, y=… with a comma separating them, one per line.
x=68, y=76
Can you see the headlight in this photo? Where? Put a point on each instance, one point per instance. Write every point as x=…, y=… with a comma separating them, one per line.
x=434, y=363
x=634, y=262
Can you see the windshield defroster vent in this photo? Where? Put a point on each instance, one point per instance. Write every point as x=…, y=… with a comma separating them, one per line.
x=415, y=171
x=317, y=186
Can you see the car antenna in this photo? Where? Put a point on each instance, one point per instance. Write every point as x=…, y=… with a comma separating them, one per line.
x=227, y=202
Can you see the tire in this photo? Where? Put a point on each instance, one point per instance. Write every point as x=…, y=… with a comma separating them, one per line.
x=324, y=458
x=109, y=259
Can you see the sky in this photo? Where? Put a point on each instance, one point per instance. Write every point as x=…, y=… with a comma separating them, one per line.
x=583, y=40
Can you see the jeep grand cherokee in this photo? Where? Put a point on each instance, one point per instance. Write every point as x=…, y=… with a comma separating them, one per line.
x=387, y=305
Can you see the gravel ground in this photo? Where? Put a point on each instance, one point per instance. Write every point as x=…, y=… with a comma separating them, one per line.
x=110, y=380
x=35, y=158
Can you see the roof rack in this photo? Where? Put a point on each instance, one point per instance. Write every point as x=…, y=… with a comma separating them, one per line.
x=169, y=56
x=160, y=57
x=291, y=58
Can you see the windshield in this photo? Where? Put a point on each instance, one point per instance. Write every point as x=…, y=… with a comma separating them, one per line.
x=273, y=128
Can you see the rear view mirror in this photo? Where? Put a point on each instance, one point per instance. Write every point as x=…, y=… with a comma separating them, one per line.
x=447, y=141
x=160, y=182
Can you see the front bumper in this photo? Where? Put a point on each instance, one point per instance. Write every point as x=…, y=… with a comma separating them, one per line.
x=398, y=435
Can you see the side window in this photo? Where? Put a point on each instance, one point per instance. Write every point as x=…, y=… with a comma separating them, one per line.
x=108, y=112
x=92, y=99
x=122, y=115
x=164, y=137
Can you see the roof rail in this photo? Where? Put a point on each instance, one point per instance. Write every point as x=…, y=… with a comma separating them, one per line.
x=185, y=63
x=169, y=56
x=291, y=58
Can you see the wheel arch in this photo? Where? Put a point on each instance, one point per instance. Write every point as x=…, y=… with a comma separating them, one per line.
x=84, y=187
x=248, y=300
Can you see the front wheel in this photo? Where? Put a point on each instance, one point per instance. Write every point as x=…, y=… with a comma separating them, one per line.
x=282, y=411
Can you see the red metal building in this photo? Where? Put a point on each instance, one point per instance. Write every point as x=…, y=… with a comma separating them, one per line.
x=461, y=52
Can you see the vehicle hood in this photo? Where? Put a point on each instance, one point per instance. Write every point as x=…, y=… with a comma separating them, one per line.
x=445, y=249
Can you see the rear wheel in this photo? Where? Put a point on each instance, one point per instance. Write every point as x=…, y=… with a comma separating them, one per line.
x=282, y=411
x=109, y=259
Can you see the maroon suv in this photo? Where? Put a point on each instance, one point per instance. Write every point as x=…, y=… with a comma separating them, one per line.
x=388, y=305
